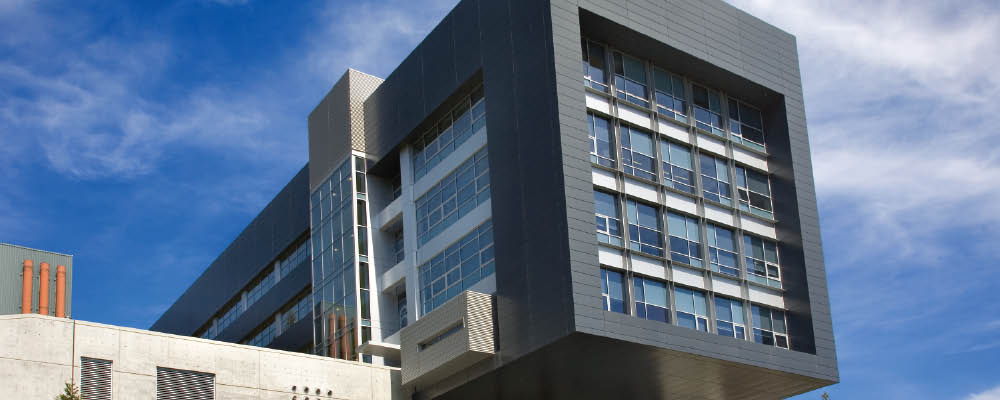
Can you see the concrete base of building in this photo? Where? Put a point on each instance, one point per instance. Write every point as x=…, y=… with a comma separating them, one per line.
x=40, y=354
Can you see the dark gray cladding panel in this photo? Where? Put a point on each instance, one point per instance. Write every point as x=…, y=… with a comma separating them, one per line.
x=279, y=224
x=272, y=301
x=329, y=132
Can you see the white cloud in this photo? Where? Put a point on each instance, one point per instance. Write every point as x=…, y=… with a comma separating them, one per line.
x=992, y=394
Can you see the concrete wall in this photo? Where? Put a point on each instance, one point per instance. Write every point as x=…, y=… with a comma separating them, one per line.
x=36, y=353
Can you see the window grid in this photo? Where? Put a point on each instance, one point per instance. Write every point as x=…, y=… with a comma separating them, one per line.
x=464, y=121
x=595, y=74
x=607, y=213
x=685, y=239
x=769, y=326
x=599, y=131
x=644, y=228
x=715, y=180
x=453, y=197
x=613, y=291
x=630, y=79
x=762, y=261
x=708, y=110
x=457, y=268
x=671, y=96
x=755, y=192
x=678, y=166
x=692, y=308
x=651, y=299
x=638, y=155
x=746, y=124
x=722, y=250
x=729, y=319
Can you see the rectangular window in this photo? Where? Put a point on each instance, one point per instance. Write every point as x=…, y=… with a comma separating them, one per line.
x=722, y=250
x=457, y=268
x=671, y=98
x=678, y=167
x=613, y=291
x=398, y=249
x=708, y=110
x=746, y=124
x=715, y=180
x=464, y=121
x=651, y=300
x=692, y=311
x=729, y=318
x=453, y=197
x=175, y=384
x=95, y=379
x=638, y=157
x=769, y=326
x=630, y=79
x=599, y=131
x=595, y=74
x=608, y=218
x=755, y=192
x=401, y=308
x=762, y=261
x=685, y=240
x=644, y=228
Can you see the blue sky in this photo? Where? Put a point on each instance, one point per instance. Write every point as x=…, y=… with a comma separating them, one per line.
x=141, y=138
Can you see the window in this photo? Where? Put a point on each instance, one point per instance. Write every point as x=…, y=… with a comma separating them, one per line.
x=692, y=311
x=746, y=124
x=722, y=250
x=678, y=168
x=755, y=192
x=441, y=336
x=464, y=121
x=630, y=79
x=644, y=228
x=708, y=110
x=457, y=268
x=762, y=261
x=95, y=379
x=638, y=158
x=685, y=240
x=613, y=291
x=453, y=197
x=729, y=318
x=769, y=326
x=599, y=131
x=398, y=249
x=594, y=66
x=401, y=308
x=670, y=95
x=715, y=180
x=651, y=300
x=608, y=218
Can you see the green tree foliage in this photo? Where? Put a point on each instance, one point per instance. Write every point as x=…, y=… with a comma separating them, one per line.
x=69, y=393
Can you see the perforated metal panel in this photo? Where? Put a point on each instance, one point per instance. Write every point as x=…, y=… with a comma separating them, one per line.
x=95, y=379
x=176, y=384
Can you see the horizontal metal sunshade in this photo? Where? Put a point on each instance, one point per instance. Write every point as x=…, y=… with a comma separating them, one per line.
x=95, y=379
x=176, y=384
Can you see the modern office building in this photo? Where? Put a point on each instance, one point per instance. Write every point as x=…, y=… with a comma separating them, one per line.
x=35, y=281
x=551, y=199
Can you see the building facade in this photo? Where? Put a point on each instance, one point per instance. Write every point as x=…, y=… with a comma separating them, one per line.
x=35, y=281
x=629, y=184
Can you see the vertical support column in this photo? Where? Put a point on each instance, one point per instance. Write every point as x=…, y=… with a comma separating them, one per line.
x=61, y=291
x=26, y=286
x=43, y=289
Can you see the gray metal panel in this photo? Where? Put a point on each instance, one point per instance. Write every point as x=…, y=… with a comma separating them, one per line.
x=284, y=220
x=11, y=267
x=336, y=125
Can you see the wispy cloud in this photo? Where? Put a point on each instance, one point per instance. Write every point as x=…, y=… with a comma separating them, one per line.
x=992, y=394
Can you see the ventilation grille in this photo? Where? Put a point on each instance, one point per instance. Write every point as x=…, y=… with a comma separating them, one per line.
x=175, y=384
x=95, y=379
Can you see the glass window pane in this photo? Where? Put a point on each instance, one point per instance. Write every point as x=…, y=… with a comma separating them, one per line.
x=656, y=293
x=685, y=299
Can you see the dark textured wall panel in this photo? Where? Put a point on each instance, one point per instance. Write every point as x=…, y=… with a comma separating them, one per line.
x=278, y=225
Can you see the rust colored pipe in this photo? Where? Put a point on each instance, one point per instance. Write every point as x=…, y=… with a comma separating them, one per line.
x=345, y=348
x=43, y=289
x=26, y=287
x=61, y=291
x=333, y=340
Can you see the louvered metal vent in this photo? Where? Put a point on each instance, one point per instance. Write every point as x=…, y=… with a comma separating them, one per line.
x=95, y=379
x=176, y=384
